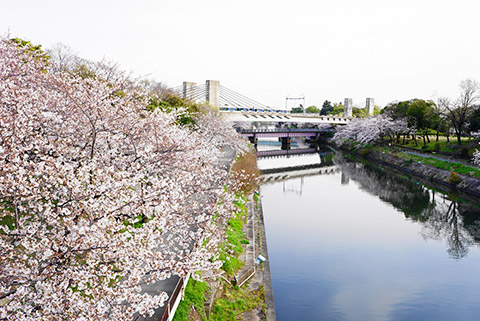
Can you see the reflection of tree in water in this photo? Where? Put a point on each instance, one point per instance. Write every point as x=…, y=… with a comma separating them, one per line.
x=411, y=199
x=442, y=216
x=446, y=221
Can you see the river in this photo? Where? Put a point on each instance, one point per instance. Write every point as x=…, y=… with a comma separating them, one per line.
x=350, y=241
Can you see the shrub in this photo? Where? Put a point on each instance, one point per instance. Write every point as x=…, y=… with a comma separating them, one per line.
x=454, y=178
x=245, y=172
x=364, y=152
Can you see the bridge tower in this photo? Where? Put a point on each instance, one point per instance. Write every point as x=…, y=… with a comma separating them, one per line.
x=348, y=108
x=189, y=89
x=370, y=106
x=213, y=92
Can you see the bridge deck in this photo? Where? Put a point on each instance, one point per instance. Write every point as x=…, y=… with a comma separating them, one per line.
x=283, y=117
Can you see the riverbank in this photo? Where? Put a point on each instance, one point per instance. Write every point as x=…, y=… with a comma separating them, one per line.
x=239, y=294
x=242, y=289
x=267, y=277
x=451, y=176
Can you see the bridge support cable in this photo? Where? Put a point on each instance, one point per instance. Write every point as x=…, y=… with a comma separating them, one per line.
x=224, y=97
x=227, y=99
x=240, y=99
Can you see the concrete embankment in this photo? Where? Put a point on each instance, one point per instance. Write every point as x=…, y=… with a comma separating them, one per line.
x=261, y=276
x=267, y=277
x=466, y=184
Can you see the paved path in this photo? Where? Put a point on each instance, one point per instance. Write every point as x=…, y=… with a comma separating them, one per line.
x=441, y=157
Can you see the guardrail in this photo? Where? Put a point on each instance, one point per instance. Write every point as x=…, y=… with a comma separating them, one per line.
x=245, y=276
x=172, y=302
x=284, y=130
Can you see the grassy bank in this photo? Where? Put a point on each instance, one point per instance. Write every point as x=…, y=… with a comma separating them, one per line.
x=443, y=145
x=432, y=161
x=229, y=302
x=233, y=300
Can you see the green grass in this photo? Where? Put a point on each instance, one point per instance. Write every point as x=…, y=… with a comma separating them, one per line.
x=235, y=238
x=236, y=301
x=194, y=296
x=442, y=145
x=449, y=166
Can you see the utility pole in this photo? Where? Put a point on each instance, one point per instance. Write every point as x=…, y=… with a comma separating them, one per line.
x=295, y=98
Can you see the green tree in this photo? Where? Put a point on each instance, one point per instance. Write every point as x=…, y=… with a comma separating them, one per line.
x=337, y=110
x=327, y=108
x=297, y=110
x=313, y=110
x=35, y=51
x=359, y=112
x=397, y=109
x=421, y=114
x=474, y=125
x=170, y=102
x=460, y=110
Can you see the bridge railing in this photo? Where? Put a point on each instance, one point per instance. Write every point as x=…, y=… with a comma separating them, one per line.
x=283, y=130
x=276, y=111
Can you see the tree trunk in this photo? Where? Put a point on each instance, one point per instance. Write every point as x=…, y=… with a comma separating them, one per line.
x=424, y=140
x=437, y=134
x=426, y=134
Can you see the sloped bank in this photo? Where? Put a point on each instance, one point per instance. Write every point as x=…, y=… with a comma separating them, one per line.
x=466, y=184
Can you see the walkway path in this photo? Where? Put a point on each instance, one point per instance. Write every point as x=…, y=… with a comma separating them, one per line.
x=450, y=159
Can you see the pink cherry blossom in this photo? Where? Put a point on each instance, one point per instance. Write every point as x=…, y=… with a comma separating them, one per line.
x=99, y=196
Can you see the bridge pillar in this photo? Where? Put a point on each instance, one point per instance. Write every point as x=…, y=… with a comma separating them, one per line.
x=189, y=90
x=286, y=143
x=345, y=179
x=213, y=92
x=253, y=140
x=370, y=106
x=347, y=111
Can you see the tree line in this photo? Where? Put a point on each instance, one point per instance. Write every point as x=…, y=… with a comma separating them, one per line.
x=107, y=183
x=420, y=118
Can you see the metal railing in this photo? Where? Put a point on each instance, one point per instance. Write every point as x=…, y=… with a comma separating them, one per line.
x=172, y=300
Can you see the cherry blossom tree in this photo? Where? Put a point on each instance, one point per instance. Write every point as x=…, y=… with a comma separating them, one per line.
x=361, y=132
x=98, y=195
x=476, y=157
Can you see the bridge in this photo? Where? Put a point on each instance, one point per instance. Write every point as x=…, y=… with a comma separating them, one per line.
x=287, y=173
x=284, y=134
x=239, y=108
x=278, y=153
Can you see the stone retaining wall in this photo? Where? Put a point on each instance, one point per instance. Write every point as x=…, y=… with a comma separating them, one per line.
x=466, y=184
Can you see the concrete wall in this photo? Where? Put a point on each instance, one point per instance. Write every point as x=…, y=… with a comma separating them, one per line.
x=370, y=106
x=348, y=107
x=213, y=92
x=189, y=89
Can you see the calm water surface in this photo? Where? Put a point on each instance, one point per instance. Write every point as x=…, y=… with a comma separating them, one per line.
x=361, y=244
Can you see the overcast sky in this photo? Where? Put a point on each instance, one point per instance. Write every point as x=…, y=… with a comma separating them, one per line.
x=270, y=49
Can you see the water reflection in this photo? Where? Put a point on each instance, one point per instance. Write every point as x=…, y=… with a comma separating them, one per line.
x=359, y=243
x=443, y=215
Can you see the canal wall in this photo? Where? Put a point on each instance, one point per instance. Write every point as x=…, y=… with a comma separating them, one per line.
x=466, y=184
x=267, y=277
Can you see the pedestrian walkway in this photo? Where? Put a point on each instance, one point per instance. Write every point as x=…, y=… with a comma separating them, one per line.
x=450, y=159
